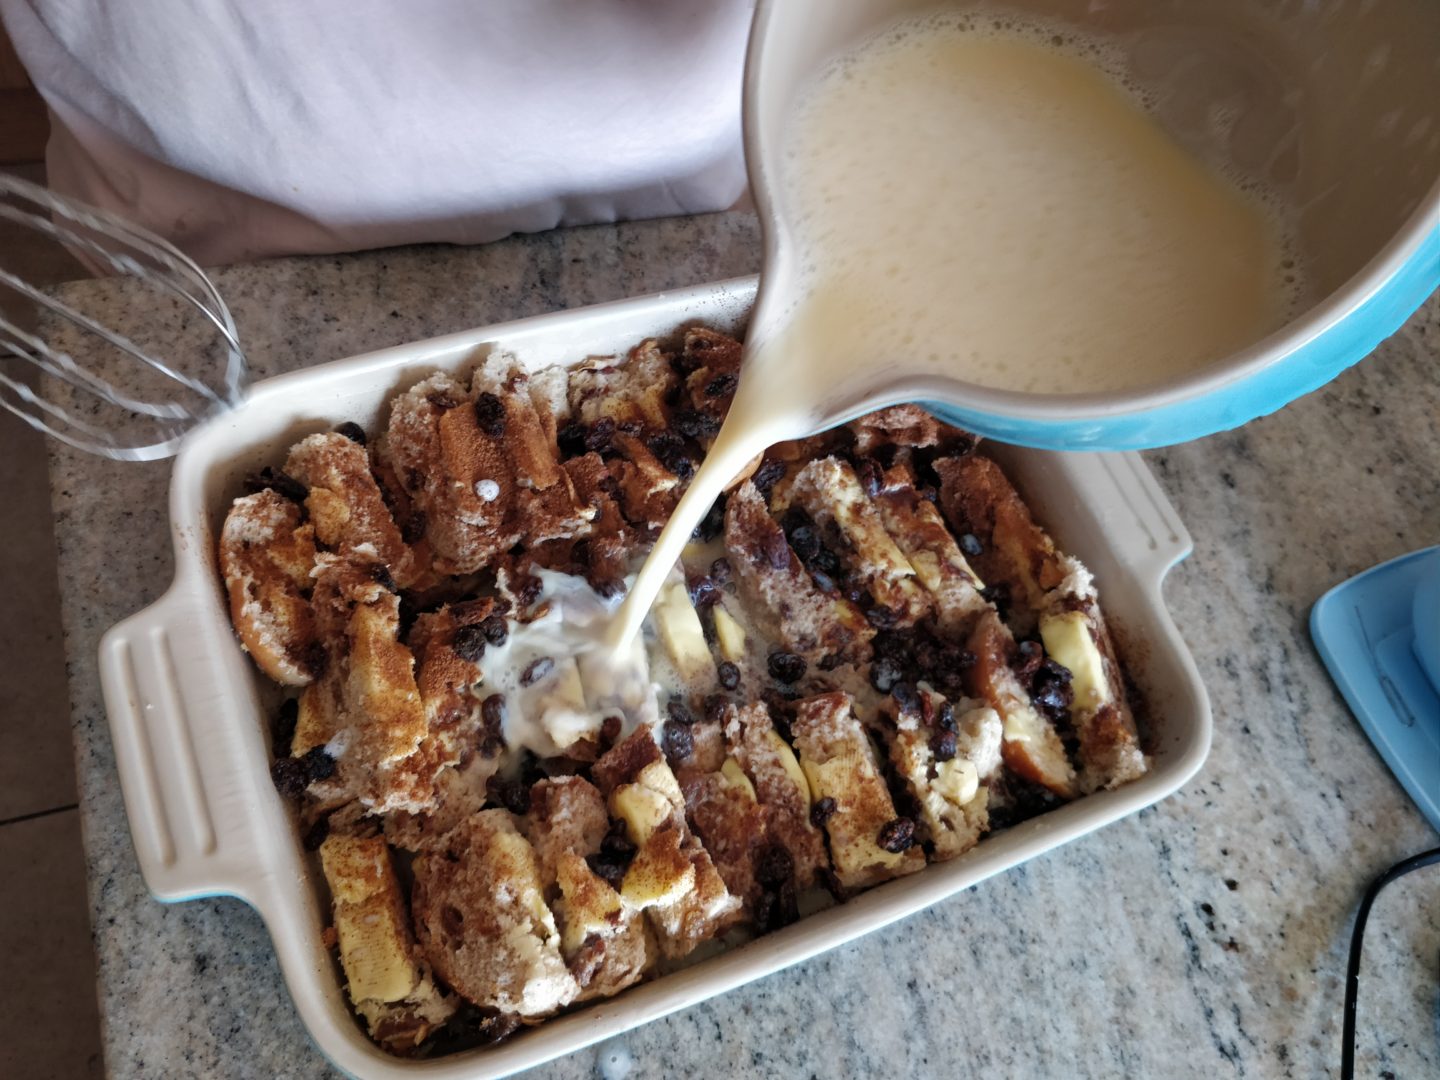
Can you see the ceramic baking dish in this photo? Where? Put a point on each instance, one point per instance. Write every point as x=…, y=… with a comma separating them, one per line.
x=188, y=712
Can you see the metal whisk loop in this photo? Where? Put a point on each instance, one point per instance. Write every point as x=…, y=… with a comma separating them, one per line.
x=125, y=249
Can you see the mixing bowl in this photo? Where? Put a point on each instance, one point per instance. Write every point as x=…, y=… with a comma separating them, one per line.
x=1334, y=105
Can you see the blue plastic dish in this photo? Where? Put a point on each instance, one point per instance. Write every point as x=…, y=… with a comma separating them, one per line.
x=1377, y=635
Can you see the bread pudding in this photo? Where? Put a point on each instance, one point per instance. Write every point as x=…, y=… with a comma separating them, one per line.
x=870, y=656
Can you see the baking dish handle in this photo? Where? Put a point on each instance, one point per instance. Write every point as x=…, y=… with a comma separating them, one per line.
x=195, y=812
x=1134, y=514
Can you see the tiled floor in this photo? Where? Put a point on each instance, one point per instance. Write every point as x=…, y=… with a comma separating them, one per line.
x=49, y=1026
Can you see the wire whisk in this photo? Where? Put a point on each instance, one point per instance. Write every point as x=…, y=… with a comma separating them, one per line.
x=74, y=401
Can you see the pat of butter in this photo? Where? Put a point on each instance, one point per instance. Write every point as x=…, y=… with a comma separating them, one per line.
x=786, y=757
x=1069, y=642
x=680, y=630
x=735, y=776
x=957, y=780
x=729, y=634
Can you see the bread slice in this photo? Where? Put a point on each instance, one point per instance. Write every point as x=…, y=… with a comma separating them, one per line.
x=671, y=877
x=482, y=921
x=917, y=528
x=366, y=710
x=1031, y=746
x=946, y=777
x=632, y=392
x=546, y=506
x=346, y=506
x=605, y=943
x=267, y=551
x=457, y=477
x=840, y=763
x=781, y=788
x=830, y=492
x=785, y=601
x=388, y=982
x=1053, y=594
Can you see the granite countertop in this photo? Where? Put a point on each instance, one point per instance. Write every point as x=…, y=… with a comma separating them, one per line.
x=1203, y=937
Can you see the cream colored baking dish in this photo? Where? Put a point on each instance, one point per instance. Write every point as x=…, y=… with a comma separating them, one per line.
x=189, y=726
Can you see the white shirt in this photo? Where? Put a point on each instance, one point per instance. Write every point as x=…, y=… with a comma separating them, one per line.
x=258, y=127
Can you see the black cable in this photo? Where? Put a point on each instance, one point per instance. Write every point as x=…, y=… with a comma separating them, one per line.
x=1357, y=936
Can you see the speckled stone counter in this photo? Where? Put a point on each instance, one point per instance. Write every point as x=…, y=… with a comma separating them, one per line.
x=1204, y=937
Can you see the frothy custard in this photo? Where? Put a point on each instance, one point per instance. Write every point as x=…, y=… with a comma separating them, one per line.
x=981, y=205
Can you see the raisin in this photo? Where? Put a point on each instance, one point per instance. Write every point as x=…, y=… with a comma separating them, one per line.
x=600, y=436
x=670, y=450
x=352, y=431
x=777, y=551
x=527, y=589
x=806, y=543
x=288, y=775
x=905, y=695
x=715, y=706
x=679, y=741
x=317, y=764
x=728, y=674
x=713, y=523
x=316, y=834
x=773, y=865
x=768, y=475
x=571, y=439
x=678, y=711
x=786, y=667
x=946, y=717
x=405, y=617
x=823, y=810
x=870, y=475
x=896, y=835
x=720, y=571
x=611, y=872
x=829, y=662
x=971, y=546
x=536, y=670
x=513, y=795
x=380, y=574
x=494, y=629
x=997, y=594
x=413, y=529
x=694, y=424
x=1027, y=660
x=944, y=744
x=316, y=658
x=617, y=844
x=441, y=400
x=883, y=617
x=282, y=483
x=703, y=593
x=885, y=673
x=610, y=730
x=282, y=730
x=492, y=715
x=1051, y=692
x=722, y=385
x=469, y=644
x=475, y=1025
x=490, y=414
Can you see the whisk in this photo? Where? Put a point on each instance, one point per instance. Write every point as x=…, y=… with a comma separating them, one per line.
x=59, y=407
